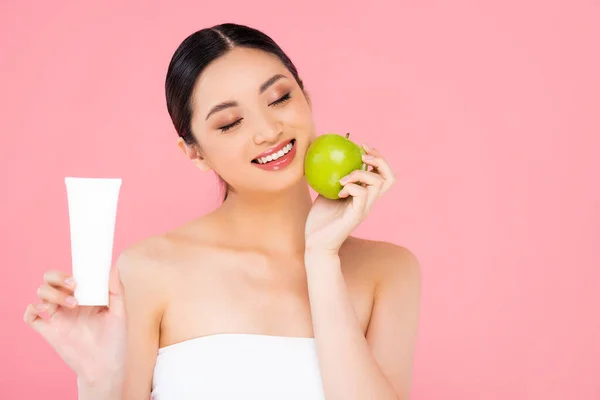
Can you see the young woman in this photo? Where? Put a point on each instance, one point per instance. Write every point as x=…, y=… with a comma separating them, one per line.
x=266, y=297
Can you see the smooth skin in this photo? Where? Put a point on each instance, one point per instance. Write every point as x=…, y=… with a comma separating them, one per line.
x=267, y=261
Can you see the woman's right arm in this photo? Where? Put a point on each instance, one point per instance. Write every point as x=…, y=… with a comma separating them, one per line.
x=111, y=349
x=144, y=298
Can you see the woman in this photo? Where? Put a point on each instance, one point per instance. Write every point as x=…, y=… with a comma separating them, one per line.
x=266, y=297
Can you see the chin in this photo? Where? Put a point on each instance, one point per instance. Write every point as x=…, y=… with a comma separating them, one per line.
x=285, y=180
x=274, y=182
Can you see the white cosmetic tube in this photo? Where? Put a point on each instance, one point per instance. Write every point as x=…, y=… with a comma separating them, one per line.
x=92, y=215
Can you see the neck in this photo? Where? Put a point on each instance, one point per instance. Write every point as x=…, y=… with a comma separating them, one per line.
x=271, y=221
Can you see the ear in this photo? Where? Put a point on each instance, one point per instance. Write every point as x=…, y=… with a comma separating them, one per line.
x=308, y=99
x=193, y=153
x=306, y=95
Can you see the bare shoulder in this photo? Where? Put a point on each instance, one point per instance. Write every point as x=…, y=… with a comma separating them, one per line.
x=384, y=261
x=141, y=272
x=143, y=258
x=154, y=258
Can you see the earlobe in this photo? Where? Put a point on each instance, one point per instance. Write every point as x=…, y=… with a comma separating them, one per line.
x=192, y=152
x=202, y=164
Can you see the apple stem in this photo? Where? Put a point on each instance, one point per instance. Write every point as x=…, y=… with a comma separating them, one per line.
x=347, y=135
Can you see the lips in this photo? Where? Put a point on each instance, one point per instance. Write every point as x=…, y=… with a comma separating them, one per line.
x=272, y=150
x=281, y=162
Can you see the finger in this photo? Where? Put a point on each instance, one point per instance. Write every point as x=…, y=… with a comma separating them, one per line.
x=55, y=296
x=50, y=308
x=59, y=279
x=373, y=181
x=359, y=196
x=371, y=150
x=371, y=154
x=115, y=300
x=32, y=316
x=358, y=175
x=375, y=160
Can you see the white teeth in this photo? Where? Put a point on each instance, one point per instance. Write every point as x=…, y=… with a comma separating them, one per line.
x=275, y=156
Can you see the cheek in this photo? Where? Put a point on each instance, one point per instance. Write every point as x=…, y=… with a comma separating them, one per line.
x=299, y=115
x=226, y=157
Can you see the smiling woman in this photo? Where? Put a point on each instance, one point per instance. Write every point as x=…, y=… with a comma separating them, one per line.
x=195, y=54
x=268, y=296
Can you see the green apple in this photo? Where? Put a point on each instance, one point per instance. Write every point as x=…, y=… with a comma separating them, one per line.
x=329, y=158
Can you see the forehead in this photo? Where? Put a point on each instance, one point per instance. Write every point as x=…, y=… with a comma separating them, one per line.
x=239, y=72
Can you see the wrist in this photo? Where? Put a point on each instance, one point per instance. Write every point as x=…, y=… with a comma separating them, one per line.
x=107, y=389
x=317, y=245
x=320, y=258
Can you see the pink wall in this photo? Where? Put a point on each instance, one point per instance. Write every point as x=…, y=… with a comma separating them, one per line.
x=489, y=113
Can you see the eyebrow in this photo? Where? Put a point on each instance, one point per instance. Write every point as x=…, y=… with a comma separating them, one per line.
x=227, y=104
x=270, y=82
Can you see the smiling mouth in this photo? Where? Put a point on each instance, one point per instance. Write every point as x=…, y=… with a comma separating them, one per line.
x=277, y=155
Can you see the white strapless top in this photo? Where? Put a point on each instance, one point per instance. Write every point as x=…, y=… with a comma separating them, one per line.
x=238, y=366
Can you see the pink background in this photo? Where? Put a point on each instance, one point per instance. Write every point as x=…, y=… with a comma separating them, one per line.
x=487, y=110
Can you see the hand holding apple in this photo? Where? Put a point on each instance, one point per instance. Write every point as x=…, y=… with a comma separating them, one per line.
x=333, y=218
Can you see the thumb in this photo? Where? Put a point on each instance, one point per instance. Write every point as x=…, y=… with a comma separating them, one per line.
x=115, y=290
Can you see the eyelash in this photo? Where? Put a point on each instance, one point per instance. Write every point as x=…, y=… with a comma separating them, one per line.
x=230, y=126
x=281, y=100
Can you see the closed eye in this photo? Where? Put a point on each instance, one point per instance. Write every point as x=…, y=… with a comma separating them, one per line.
x=230, y=126
x=282, y=99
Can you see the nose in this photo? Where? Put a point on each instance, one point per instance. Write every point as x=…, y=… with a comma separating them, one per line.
x=268, y=130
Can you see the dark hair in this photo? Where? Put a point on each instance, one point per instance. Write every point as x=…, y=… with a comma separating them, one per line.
x=195, y=53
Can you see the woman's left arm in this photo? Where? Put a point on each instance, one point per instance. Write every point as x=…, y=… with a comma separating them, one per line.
x=378, y=366
x=355, y=366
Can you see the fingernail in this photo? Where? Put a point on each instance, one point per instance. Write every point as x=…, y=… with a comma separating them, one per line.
x=71, y=300
x=69, y=282
x=344, y=180
x=368, y=157
x=366, y=147
x=41, y=307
